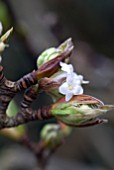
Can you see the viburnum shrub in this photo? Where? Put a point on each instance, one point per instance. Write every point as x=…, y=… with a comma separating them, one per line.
x=71, y=108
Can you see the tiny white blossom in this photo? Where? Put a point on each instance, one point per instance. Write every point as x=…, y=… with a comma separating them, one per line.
x=72, y=86
x=1, y=28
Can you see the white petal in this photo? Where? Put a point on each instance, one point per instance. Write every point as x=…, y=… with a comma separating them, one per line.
x=76, y=82
x=63, y=88
x=81, y=79
x=66, y=67
x=78, y=79
x=63, y=65
x=85, y=82
x=68, y=96
x=70, y=68
x=78, y=90
x=75, y=75
x=69, y=79
x=1, y=28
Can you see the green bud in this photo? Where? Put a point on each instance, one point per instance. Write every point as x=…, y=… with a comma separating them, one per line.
x=50, y=66
x=66, y=45
x=3, y=39
x=52, y=135
x=47, y=55
x=80, y=110
x=6, y=35
x=54, y=52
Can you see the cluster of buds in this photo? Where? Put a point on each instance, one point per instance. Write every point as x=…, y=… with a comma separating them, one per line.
x=64, y=81
x=57, y=77
x=70, y=106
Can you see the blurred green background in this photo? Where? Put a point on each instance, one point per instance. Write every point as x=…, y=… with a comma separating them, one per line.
x=40, y=24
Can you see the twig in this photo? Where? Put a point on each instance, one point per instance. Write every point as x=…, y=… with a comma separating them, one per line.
x=24, y=116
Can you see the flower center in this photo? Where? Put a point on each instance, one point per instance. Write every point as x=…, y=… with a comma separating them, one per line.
x=70, y=87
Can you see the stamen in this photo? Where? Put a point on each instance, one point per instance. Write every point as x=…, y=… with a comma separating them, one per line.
x=70, y=87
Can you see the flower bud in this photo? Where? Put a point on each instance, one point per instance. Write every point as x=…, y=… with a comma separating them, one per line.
x=48, y=55
x=6, y=35
x=3, y=39
x=54, y=52
x=52, y=135
x=81, y=110
x=52, y=64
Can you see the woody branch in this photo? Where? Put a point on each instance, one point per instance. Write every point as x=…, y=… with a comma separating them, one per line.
x=8, y=90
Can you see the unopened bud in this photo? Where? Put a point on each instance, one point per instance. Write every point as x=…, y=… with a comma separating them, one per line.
x=54, y=52
x=48, y=67
x=80, y=110
x=6, y=35
x=48, y=55
x=52, y=135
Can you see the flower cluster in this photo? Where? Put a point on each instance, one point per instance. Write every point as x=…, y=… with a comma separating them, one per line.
x=59, y=80
x=64, y=81
x=72, y=85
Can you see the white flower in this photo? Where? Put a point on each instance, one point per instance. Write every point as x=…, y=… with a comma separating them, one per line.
x=1, y=28
x=72, y=86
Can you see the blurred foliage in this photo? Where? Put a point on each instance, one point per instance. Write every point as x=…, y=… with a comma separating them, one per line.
x=90, y=21
x=5, y=18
